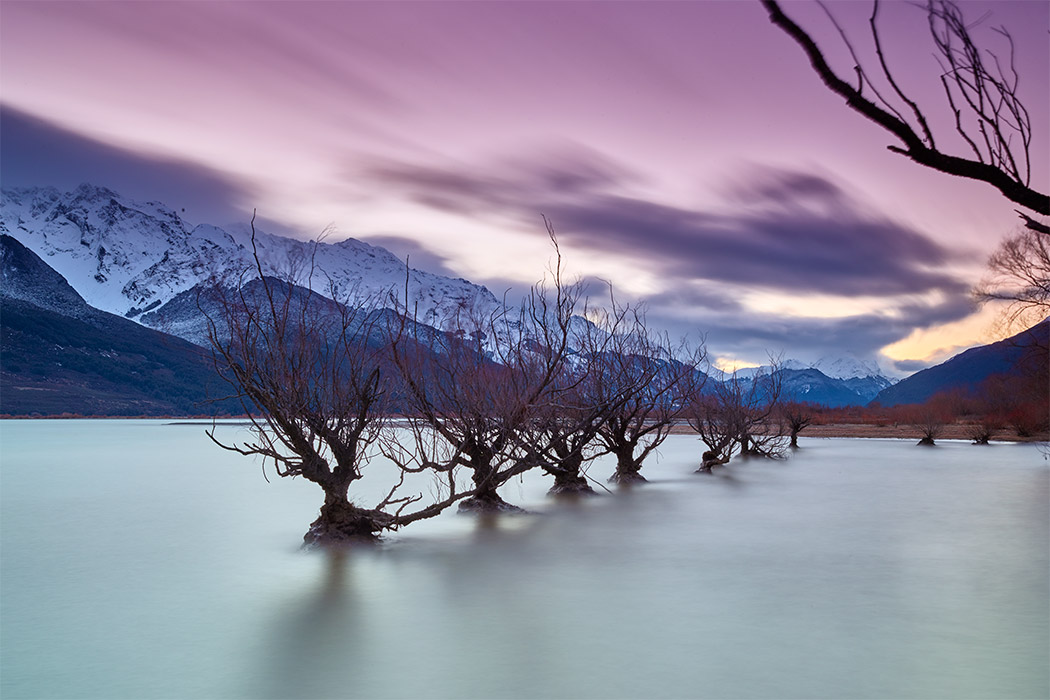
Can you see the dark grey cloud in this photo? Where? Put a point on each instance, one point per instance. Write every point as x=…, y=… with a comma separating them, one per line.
x=37, y=152
x=796, y=232
x=910, y=366
x=720, y=300
x=569, y=171
x=569, y=168
x=792, y=251
x=764, y=185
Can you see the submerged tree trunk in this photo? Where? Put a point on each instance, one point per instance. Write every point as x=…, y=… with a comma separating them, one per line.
x=341, y=523
x=745, y=445
x=568, y=477
x=569, y=484
x=711, y=459
x=485, y=498
x=627, y=467
x=487, y=501
x=927, y=441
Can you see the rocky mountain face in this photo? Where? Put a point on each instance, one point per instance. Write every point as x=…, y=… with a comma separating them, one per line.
x=25, y=277
x=133, y=258
x=831, y=381
x=813, y=386
x=810, y=385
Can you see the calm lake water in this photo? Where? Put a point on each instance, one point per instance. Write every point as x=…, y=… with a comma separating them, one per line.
x=140, y=561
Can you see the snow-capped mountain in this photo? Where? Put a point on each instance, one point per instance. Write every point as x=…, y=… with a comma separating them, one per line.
x=130, y=258
x=836, y=367
x=833, y=381
x=58, y=355
x=140, y=260
x=848, y=367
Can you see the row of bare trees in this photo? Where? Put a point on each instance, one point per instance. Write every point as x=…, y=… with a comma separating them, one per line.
x=540, y=387
x=329, y=384
x=741, y=417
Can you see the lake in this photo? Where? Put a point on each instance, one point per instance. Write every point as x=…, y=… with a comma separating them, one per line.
x=138, y=560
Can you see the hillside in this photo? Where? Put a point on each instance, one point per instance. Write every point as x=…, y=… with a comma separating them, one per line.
x=60, y=355
x=965, y=371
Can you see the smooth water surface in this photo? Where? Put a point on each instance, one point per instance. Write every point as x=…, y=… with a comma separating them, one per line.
x=138, y=560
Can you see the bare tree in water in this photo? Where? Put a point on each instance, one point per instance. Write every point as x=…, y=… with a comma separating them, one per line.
x=310, y=374
x=475, y=392
x=740, y=416
x=796, y=417
x=653, y=380
x=564, y=433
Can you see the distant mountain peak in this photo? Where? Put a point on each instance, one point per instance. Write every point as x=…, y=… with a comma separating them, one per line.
x=849, y=366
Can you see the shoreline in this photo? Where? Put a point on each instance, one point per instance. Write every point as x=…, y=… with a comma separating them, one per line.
x=952, y=431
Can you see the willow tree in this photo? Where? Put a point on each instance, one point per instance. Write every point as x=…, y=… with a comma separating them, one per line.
x=310, y=372
x=795, y=416
x=648, y=381
x=473, y=394
x=740, y=415
x=564, y=432
x=1019, y=277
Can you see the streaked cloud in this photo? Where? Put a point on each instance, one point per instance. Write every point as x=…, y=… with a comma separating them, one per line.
x=792, y=231
x=36, y=152
x=654, y=135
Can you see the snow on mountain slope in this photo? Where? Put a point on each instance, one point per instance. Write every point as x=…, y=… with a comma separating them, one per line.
x=848, y=367
x=128, y=257
x=842, y=367
x=834, y=381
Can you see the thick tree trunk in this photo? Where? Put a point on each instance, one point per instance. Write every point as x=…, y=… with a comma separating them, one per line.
x=487, y=501
x=709, y=460
x=342, y=523
x=567, y=478
x=485, y=498
x=794, y=438
x=571, y=485
x=627, y=467
x=745, y=445
x=927, y=442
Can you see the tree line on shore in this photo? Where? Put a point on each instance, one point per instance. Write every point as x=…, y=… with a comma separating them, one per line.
x=1004, y=406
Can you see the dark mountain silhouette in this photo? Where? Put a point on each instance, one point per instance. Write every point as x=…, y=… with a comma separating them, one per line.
x=967, y=370
x=60, y=355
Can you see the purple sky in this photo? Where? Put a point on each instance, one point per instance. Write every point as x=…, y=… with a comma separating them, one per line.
x=685, y=151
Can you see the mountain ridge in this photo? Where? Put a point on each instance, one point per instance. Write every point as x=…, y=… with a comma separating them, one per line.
x=141, y=261
x=967, y=370
x=128, y=257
